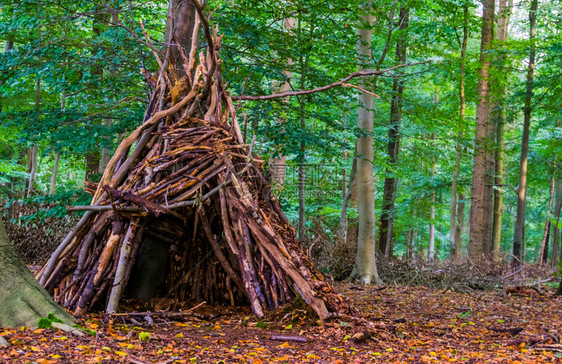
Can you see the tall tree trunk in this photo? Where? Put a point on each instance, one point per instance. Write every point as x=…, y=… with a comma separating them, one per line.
x=92, y=156
x=543, y=256
x=477, y=228
x=22, y=299
x=347, y=194
x=519, y=236
x=54, y=175
x=384, y=242
x=32, y=161
x=459, y=225
x=556, y=246
x=57, y=155
x=179, y=30
x=431, y=248
x=365, y=269
x=304, y=60
x=498, y=119
x=352, y=193
x=277, y=166
x=105, y=152
x=9, y=46
x=33, y=164
x=454, y=252
x=412, y=233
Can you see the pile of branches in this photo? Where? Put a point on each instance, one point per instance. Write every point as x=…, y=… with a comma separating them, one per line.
x=193, y=181
x=461, y=276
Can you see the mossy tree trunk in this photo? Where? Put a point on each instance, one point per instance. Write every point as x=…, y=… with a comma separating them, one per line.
x=22, y=299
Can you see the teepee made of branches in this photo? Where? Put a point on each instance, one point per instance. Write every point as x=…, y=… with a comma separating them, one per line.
x=193, y=181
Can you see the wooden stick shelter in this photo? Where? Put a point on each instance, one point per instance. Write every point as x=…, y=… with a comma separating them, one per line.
x=191, y=180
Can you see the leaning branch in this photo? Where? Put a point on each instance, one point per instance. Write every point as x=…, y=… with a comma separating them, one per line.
x=327, y=87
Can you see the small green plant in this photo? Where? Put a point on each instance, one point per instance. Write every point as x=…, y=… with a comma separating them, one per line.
x=85, y=329
x=261, y=325
x=144, y=336
x=47, y=322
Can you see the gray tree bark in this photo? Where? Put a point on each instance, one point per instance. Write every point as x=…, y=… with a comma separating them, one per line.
x=365, y=269
x=22, y=299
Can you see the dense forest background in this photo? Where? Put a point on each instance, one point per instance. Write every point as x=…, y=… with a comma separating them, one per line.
x=74, y=79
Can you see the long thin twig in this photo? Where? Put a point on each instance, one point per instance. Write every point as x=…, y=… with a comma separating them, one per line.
x=327, y=87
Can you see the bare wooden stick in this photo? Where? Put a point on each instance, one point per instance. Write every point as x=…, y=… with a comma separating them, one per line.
x=122, y=265
x=327, y=87
x=127, y=142
x=299, y=339
x=160, y=313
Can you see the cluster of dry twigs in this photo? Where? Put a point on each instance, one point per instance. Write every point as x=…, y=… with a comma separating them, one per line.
x=193, y=181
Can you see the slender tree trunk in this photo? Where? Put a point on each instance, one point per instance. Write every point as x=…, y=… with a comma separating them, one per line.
x=431, y=248
x=556, y=231
x=304, y=60
x=459, y=225
x=365, y=269
x=477, y=228
x=454, y=253
x=498, y=113
x=543, y=256
x=54, y=175
x=351, y=197
x=347, y=193
x=384, y=242
x=57, y=155
x=92, y=156
x=9, y=46
x=105, y=152
x=33, y=158
x=519, y=236
x=411, y=248
x=277, y=166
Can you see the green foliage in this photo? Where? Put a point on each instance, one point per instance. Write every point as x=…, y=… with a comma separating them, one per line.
x=144, y=336
x=47, y=322
x=87, y=69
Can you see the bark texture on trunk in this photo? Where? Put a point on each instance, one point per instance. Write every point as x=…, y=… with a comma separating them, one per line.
x=179, y=32
x=365, y=269
x=498, y=119
x=454, y=238
x=22, y=299
x=384, y=242
x=543, y=256
x=519, y=236
x=477, y=214
x=54, y=175
x=556, y=231
x=277, y=166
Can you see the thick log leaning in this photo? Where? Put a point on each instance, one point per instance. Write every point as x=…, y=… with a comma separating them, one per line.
x=192, y=182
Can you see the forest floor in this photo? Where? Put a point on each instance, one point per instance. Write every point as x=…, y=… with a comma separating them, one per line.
x=412, y=325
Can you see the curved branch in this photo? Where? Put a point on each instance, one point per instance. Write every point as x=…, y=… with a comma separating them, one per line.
x=341, y=82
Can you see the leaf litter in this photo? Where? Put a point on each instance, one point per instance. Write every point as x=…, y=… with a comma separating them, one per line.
x=400, y=325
